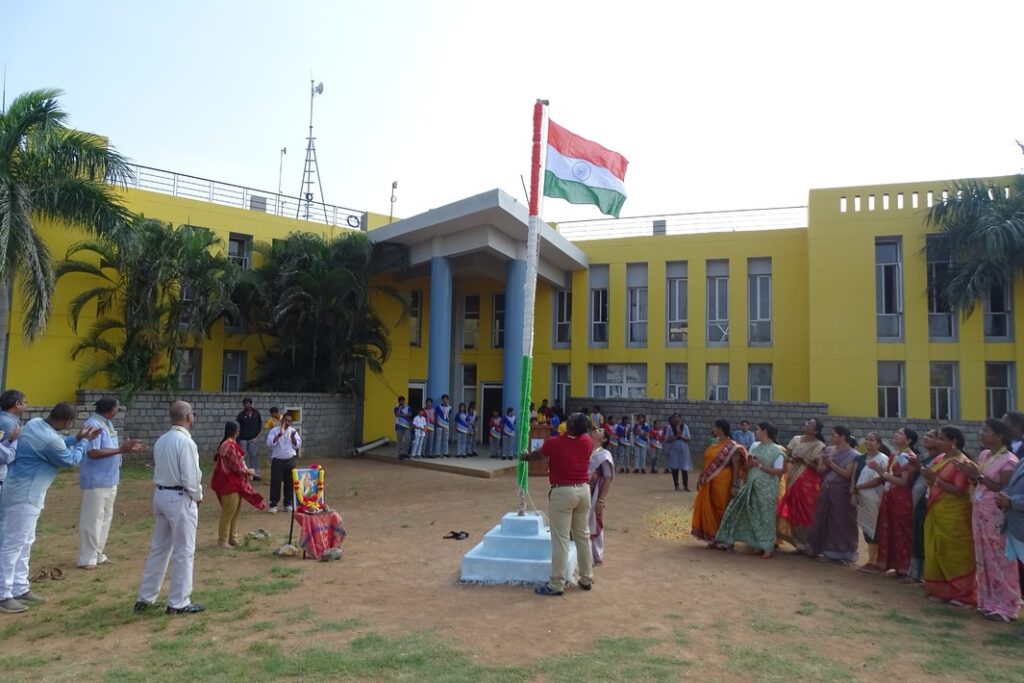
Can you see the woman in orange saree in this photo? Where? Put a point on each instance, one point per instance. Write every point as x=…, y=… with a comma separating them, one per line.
x=796, y=507
x=949, y=566
x=718, y=480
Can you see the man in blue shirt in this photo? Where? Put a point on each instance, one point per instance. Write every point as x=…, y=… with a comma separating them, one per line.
x=42, y=450
x=743, y=435
x=98, y=477
x=12, y=404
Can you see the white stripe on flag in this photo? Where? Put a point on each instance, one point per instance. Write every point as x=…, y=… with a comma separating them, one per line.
x=582, y=171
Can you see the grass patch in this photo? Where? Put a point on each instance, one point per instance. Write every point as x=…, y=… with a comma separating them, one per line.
x=766, y=664
x=899, y=618
x=681, y=637
x=343, y=625
x=806, y=608
x=614, y=659
x=282, y=571
x=262, y=626
x=763, y=624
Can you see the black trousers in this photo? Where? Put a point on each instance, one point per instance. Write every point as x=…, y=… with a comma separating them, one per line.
x=686, y=478
x=281, y=476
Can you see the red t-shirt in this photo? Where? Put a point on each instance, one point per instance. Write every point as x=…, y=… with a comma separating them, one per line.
x=568, y=458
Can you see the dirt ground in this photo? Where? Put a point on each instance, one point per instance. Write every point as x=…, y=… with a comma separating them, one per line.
x=399, y=576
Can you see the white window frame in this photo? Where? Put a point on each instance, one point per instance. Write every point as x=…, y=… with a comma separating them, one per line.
x=947, y=394
x=884, y=271
x=561, y=388
x=232, y=382
x=498, y=322
x=718, y=319
x=677, y=290
x=562, y=328
x=759, y=308
x=759, y=392
x=469, y=383
x=674, y=390
x=717, y=390
x=470, y=333
x=890, y=405
x=416, y=317
x=189, y=375
x=991, y=391
x=940, y=316
x=244, y=259
x=599, y=315
x=624, y=388
x=1006, y=316
x=637, y=306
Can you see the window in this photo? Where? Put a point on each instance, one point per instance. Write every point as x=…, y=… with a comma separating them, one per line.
x=233, y=372
x=718, y=302
x=471, y=321
x=498, y=322
x=240, y=250
x=187, y=366
x=468, y=384
x=944, y=393
x=888, y=289
x=676, y=381
x=999, y=389
x=560, y=389
x=636, y=303
x=677, y=318
x=941, y=321
x=188, y=296
x=627, y=381
x=599, y=305
x=718, y=382
x=563, y=317
x=416, y=317
x=759, y=378
x=759, y=291
x=998, y=314
x=890, y=389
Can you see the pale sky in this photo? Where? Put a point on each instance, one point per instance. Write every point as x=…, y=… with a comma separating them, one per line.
x=716, y=105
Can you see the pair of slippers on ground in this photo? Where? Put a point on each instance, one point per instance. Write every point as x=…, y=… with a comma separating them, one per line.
x=54, y=574
x=457, y=535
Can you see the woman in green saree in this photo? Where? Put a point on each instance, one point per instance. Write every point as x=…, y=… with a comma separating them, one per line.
x=750, y=517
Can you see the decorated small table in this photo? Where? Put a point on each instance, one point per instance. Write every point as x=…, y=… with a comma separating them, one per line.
x=320, y=531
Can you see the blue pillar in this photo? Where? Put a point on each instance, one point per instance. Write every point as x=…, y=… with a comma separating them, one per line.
x=439, y=345
x=512, y=358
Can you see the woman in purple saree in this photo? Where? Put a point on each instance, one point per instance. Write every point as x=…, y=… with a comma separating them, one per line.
x=834, y=535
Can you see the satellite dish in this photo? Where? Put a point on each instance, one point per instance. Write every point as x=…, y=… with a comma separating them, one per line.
x=319, y=89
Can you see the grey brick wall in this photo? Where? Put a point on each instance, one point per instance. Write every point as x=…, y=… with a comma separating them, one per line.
x=328, y=421
x=789, y=418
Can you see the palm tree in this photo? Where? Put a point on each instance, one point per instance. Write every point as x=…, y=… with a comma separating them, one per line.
x=981, y=230
x=51, y=172
x=313, y=299
x=142, y=280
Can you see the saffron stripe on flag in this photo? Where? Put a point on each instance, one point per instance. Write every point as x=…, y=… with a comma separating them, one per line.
x=594, y=176
x=608, y=202
x=572, y=145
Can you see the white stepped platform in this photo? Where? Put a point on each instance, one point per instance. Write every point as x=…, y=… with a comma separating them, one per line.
x=516, y=551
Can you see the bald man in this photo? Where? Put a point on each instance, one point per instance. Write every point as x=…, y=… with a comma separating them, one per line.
x=179, y=491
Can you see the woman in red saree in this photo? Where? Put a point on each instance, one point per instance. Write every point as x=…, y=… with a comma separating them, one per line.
x=894, y=533
x=719, y=479
x=949, y=567
x=230, y=481
x=796, y=507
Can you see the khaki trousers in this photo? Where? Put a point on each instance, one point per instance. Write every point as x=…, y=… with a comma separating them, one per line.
x=230, y=506
x=569, y=513
x=94, y=524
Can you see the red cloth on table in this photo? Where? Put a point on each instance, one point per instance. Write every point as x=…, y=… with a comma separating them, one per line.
x=230, y=474
x=319, y=532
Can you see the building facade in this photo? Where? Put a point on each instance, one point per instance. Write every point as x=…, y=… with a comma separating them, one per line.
x=825, y=303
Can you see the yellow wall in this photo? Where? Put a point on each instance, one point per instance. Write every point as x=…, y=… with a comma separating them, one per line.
x=44, y=370
x=844, y=350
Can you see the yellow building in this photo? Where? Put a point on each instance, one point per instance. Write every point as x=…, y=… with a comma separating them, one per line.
x=827, y=302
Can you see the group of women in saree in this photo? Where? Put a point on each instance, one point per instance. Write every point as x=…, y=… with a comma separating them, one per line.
x=936, y=518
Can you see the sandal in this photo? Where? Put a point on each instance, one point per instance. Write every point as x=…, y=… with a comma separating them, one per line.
x=995, y=616
x=41, y=575
x=56, y=574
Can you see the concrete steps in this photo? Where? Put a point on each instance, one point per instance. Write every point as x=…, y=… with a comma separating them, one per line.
x=518, y=550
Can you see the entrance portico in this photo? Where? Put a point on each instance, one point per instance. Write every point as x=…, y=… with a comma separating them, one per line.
x=483, y=236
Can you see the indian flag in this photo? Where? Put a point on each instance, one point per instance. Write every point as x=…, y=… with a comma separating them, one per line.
x=583, y=172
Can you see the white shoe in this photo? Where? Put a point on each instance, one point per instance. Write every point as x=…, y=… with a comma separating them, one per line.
x=287, y=508
x=272, y=510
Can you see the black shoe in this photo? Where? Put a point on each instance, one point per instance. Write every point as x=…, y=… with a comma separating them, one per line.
x=194, y=608
x=545, y=589
x=585, y=586
x=257, y=477
x=141, y=606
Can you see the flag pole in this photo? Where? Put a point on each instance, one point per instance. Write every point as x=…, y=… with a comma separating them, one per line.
x=529, y=301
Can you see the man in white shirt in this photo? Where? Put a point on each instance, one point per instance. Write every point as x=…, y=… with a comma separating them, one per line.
x=284, y=443
x=179, y=491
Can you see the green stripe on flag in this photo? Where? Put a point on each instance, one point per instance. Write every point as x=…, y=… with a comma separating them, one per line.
x=608, y=202
x=523, y=435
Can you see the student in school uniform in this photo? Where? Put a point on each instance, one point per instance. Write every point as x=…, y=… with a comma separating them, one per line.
x=462, y=433
x=656, y=437
x=596, y=418
x=403, y=427
x=611, y=430
x=641, y=441
x=625, y=432
x=442, y=425
x=419, y=436
x=472, y=417
x=428, y=438
x=494, y=434
x=508, y=435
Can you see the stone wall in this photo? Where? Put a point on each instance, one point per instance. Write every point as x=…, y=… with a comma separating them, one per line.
x=789, y=418
x=327, y=428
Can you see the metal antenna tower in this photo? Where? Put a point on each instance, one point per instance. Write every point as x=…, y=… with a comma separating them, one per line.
x=311, y=169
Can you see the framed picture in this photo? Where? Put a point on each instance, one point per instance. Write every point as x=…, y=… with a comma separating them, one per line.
x=309, y=488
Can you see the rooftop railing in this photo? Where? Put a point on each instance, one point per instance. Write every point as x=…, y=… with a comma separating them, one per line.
x=227, y=194
x=686, y=223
